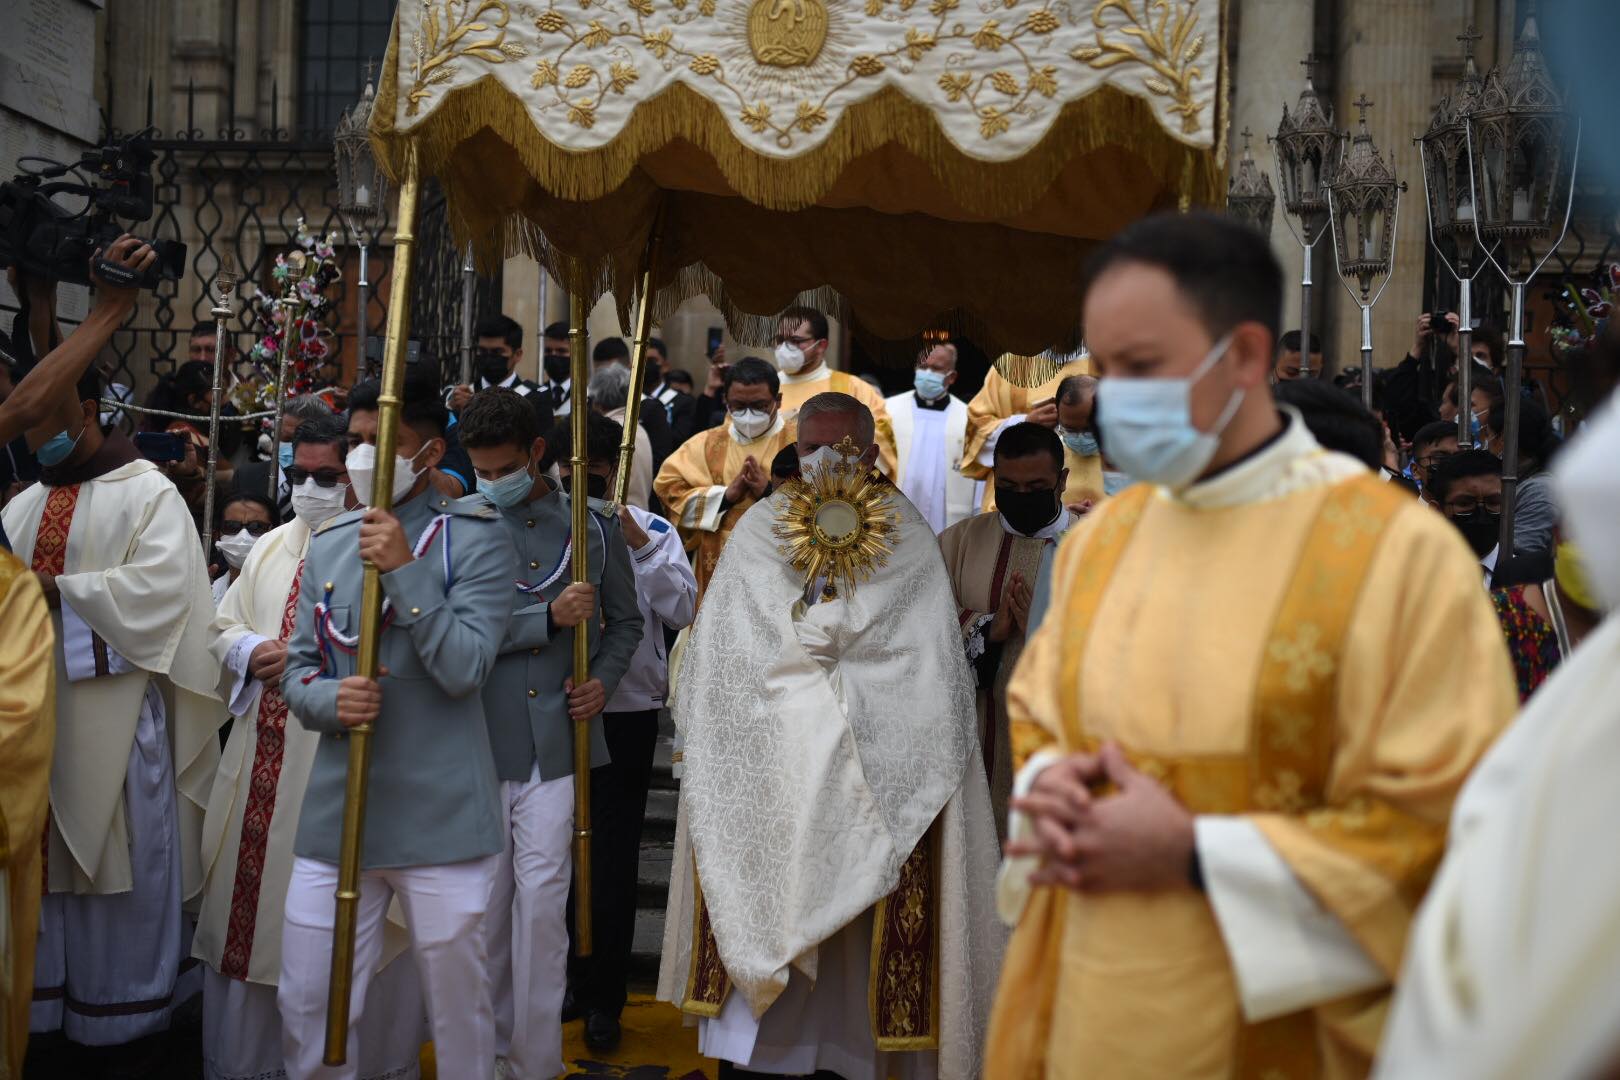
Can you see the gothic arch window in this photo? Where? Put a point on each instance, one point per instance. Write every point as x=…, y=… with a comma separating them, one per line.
x=337, y=39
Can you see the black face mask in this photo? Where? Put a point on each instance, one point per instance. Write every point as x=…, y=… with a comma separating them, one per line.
x=596, y=487
x=1027, y=511
x=1482, y=529
x=558, y=366
x=491, y=368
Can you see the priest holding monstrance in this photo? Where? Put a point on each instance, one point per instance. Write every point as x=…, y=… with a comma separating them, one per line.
x=830, y=907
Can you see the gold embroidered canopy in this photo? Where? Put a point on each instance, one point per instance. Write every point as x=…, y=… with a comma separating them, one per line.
x=906, y=163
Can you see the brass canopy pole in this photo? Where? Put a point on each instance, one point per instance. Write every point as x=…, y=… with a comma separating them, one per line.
x=578, y=417
x=354, y=800
x=638, y=365
x=294, y=310
x=225, y=282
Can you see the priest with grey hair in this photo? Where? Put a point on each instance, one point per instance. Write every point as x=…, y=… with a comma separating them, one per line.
x=831, y=901
x=609, y=390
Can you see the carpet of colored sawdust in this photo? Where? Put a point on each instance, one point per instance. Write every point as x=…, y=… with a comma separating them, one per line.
x=656, y=1046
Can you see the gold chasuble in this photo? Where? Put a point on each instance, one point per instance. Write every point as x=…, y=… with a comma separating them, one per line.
x=798, y=389
x=692, y=485
x=1293, y=647
x=27, y=732
x=999, y=400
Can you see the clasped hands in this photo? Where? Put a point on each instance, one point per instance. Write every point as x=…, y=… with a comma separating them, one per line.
x=1134, y=838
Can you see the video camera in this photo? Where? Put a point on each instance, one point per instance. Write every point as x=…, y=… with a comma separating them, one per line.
x=43, y=240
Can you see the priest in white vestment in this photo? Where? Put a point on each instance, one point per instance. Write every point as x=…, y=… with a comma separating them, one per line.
x=114, y=547
x=930, y=427
x=253, y=810
x=1513, y=967
x=834, y=806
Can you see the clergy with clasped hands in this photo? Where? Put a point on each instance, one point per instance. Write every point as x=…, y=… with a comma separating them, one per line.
x=839, y=916
x=1235, y=763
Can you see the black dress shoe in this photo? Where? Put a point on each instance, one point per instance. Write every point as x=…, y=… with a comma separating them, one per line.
x=602, y=1031
x=570, y=1010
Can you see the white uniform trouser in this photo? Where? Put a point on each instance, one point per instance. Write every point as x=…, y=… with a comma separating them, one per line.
x=444, y=908
x=527, y=924
x=105, y=966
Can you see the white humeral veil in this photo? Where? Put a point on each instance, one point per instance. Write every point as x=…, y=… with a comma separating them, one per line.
x=820, y=745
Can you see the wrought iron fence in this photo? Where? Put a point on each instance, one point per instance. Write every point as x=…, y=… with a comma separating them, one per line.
x=243, y=195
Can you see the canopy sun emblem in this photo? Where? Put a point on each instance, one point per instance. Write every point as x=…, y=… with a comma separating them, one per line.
x=787, y=33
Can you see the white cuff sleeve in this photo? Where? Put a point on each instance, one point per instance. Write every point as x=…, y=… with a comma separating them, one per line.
x=703, y=509
x=85, y=655
x=987, y=453
x=245, y=690
x=1288, y=951
x=1012, y=881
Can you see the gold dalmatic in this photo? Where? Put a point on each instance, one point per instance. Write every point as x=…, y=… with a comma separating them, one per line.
x=838, y=525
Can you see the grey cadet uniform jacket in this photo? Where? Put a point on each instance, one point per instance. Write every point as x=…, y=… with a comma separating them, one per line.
x=433, y=797
x=524, y=700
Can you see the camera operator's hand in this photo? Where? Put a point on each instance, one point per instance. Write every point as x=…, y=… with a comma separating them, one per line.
x=1421, y=337
x=134, y=255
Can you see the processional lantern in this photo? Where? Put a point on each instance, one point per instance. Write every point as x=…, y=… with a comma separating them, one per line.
x=1364, y=200
x=1522, y=186
x=1249, y=195
x=1308, y=149
x=1449, y=201
x=362, y=195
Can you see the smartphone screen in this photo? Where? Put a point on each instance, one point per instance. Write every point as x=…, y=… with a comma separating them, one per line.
x=715, y=339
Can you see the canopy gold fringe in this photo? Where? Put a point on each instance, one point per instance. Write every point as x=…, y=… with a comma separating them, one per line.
x=1107, y=118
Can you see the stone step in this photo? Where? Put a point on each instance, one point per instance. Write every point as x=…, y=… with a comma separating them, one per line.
x=644, y=953
x=659, y=822
x=652, y=876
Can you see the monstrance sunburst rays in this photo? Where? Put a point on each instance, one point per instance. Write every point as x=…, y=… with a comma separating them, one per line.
x=838, y=524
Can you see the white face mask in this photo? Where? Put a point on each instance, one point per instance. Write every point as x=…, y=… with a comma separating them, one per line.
x=751, y=423
x=1588, y=486
x=824, y=457
x=812, y=462
x=235, y=548
x=362, y=466
x=1148, y=429
x=790, y=359
x=315, y=505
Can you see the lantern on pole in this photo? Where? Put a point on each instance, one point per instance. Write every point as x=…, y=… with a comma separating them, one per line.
x=1364, y=205
x=1307, y=149
x=1249, y=195
x=1521, y=180
x=362, y=193
x=1448, y=197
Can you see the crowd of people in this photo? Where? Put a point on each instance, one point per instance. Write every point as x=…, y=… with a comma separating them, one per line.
x=1115, y=731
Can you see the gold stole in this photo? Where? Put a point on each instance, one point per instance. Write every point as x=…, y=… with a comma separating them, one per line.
x=1284, y=769
x=902, y=990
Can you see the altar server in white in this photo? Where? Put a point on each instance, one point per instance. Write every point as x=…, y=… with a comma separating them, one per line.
x=253, y=811
x=114, y=548
x=930, y=426
x=842, y=900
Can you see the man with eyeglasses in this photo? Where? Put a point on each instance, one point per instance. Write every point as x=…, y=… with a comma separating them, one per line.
x=253, y=811
x=1467, y=489
x=1432, y=444
x=801, y=356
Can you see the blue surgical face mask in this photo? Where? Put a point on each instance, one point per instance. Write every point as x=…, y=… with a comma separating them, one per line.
x=930, y=384
x=55, y=450
x=1114, y=482
x=509, y=490
x=1083, y=443
x=1147, y=424
x=1473, y=427
x=284, y=455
